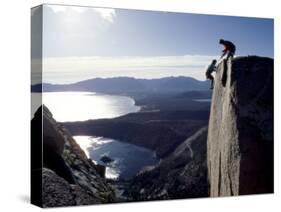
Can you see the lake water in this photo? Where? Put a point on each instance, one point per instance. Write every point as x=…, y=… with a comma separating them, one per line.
x=127, y=159
x=81, y=106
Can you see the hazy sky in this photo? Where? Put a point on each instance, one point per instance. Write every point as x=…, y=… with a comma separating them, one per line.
x=81, y=42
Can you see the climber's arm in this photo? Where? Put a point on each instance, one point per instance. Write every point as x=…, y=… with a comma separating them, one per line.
x=223, y=53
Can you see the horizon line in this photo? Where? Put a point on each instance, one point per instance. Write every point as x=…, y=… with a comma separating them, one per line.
x=104, y=78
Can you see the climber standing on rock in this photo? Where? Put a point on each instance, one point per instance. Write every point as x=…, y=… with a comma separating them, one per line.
x=211, y=68
x=229, y=48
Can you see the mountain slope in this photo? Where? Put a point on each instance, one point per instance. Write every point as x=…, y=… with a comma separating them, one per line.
x=158, y=131
x=69, y=177
x=183, y=174
x=240, y=134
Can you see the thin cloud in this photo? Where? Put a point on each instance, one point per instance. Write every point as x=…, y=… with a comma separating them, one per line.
x=71, y=69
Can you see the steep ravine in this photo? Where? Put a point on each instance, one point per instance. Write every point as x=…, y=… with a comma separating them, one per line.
x=240, y=134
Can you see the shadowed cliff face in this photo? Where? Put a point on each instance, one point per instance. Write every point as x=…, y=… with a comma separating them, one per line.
x=69, y=177
x=240, y=134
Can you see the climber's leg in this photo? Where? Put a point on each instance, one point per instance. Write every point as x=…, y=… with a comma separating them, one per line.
x=212, y=81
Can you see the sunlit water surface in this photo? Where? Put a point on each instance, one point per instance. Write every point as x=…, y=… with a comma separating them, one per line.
x=81, y=106
x=127, y=159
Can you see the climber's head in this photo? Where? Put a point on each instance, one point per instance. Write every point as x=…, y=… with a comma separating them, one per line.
x=214, y=61
x=221, y=41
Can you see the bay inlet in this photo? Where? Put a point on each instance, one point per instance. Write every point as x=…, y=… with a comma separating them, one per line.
x=126, y=159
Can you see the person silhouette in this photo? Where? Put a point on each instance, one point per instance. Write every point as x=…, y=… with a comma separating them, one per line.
x=229, y=48
x=211, y=68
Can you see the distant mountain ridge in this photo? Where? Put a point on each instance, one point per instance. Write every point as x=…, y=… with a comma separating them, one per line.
x=127, y=84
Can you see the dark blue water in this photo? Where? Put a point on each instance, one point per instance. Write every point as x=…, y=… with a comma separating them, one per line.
x=128, y=159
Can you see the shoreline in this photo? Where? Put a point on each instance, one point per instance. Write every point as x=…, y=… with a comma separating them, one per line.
x=114, y=169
